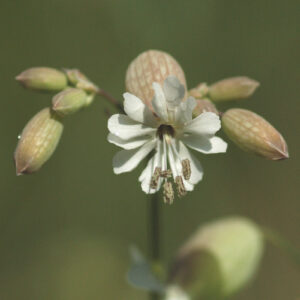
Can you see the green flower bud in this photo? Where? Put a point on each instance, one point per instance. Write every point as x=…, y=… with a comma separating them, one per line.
x=232, y=89
x=37, y=141
x=43, y=79
x=254, y=134
x=174, y=292
x=69, y=101
x=219, y=259
x=200, y=91
x=80, y=81
x=204, y=105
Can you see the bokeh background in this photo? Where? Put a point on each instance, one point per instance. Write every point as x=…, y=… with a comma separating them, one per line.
x=65, y=232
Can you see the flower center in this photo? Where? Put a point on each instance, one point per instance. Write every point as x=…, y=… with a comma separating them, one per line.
x=164, y=129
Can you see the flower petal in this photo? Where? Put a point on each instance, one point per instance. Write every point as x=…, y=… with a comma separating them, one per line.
x=188, y=186
x=146, y=176
x=196, y=168
x=184, y=112
x=176, y=167
x=137, y=110
x=125, y=128
x=159, y=102
x=172, y=163
x=205, y=123
x=127, y=160
x=205, y=144
x=128, y=144
x=174, y=91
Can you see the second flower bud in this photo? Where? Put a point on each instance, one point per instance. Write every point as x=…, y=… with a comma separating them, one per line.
x=69, y=101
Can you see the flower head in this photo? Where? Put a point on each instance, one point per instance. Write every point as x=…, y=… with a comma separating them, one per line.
x=167, y=129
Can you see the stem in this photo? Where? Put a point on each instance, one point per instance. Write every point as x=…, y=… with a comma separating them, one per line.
x=111, y=99
x=154, y=233
x=280, y=242
x=152, y=210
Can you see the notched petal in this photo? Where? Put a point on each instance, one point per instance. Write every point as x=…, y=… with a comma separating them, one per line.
x=137, y=110
x=205, y=144
x=174, y=90
x=127, y=160
x=126, y=128
x=127, y=144
x=207, y=123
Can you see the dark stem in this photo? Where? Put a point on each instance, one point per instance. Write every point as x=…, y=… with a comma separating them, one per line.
x=111, y=99
x=154, y=233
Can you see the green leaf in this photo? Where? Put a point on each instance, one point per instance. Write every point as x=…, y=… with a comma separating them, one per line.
x=140, y=274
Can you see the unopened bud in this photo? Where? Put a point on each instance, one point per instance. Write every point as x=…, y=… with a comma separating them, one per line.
x=200, y=91
x=38, y=141
x=174, y=292
x=69, y=101
x=254, y=134
x=80, y=81
x=43, y=79
x=232, y=89
x=219, y=259
x=204, y=105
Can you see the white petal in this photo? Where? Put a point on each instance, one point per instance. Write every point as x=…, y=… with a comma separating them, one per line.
x=196, y=168
x=127, y=160
x=172, y=162
x=205, y=144
x=125, y=128
x=147, y=172
x=174, y=91
x=205, y=123
x=176, y=167
x=188, y=186
x=127, y=144
x=159, y=102
x=185, y=110
x=145, y=177
x=137, y=110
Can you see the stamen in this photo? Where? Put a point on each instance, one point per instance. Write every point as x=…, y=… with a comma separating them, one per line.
x=166, y=174
x=180, y=186
x=168, y=193
x=186, y=169
x=155, y=178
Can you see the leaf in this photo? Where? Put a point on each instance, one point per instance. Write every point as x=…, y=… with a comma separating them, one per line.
x=140, y=274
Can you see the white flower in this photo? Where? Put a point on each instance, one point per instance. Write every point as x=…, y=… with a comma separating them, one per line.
x=166, y=131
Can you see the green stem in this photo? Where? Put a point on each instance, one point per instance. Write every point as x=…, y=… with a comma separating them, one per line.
x=152, y=209
x=111, y=99
x=280, y=242
x=154, y=232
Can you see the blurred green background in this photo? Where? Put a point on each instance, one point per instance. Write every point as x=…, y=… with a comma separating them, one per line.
x=65, y=231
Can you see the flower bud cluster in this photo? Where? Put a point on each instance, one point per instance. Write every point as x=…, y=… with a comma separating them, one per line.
x=42, y=133
x=246, y=129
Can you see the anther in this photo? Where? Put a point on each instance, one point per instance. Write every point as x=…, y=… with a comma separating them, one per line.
x=186, y=169
x=180, y=186
x=166, y=174
x=168, y=193
x=155, y=178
